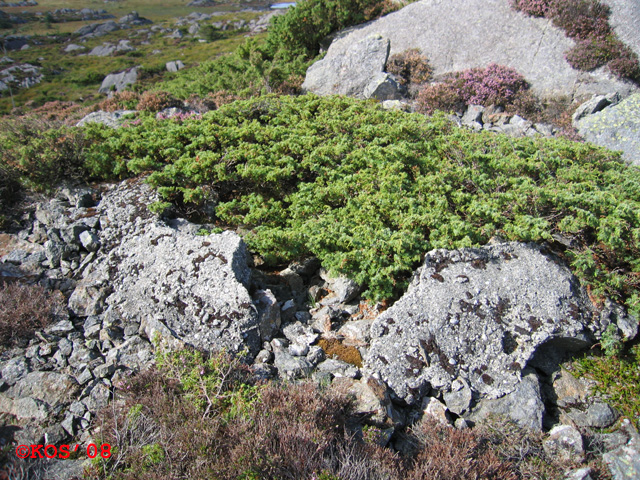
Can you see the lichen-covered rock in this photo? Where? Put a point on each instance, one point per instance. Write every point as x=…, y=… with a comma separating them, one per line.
x=175, y=283
x=565, y=444
x=479, y=314
x=111, y=119
x=616, y=127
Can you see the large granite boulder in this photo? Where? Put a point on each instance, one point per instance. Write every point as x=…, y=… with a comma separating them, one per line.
x=616, y=127
x=358, y=72
x=460, y=34
x=480, y=315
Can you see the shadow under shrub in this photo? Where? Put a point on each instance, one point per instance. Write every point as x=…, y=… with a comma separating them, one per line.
x=25, y=309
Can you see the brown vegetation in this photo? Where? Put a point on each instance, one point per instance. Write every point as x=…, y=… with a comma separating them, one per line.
x=25, y=309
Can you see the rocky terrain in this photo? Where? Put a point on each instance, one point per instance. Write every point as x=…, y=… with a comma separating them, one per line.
x=480, y=332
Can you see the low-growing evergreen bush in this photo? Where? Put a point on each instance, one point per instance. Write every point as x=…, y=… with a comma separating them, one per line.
x=279, y=63
x=369, y=191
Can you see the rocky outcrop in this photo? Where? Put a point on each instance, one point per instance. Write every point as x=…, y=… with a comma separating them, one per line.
x=460, y=34
x=97, y=30
x=480, y=315
x=614, y=126
x=111, y=119
x=107, y=48
x=134, y=18
x=174, y=66
x=23, y=75
x=358, y=72
x=119, y=81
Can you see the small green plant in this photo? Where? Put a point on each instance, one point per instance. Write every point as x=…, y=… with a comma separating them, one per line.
x=617, y=378
x=153, y=455
x=611, y=342
x=211, y=383
x=159, y=207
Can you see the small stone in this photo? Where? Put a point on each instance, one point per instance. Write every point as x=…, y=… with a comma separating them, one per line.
x=458, y=400
x=316, y=355
x=89, y=241
x=338, y=368
x=298, y=350
x=300, y=334
x=264, y=356
x=598, y=415
x=104, y=370
x=84, y=376
x=565, y=444
x=46, y=349
x=14, y=370
x=77, y=408
x=435, y=409
x=65, y=347
x=69, y=425
x=61, y=328
x=579, y=474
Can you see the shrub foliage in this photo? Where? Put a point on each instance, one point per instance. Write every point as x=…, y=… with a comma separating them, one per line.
x=369, y=191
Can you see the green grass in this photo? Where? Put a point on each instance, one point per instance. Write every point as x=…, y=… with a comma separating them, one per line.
x=75, y=77
x=617, y=379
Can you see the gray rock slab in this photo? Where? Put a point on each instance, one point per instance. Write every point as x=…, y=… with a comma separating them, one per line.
x=624, y=462
x=111, y=119
x=479, y=314
x=523, y=406
x=357, y=71
x=50, y=387
x=119, y=81
x=616, y=127
x=460, y=34
x=194, y=286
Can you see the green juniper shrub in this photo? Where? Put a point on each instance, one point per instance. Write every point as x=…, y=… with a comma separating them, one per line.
x=369, y=191
x=42, y=152
x=277, y=64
